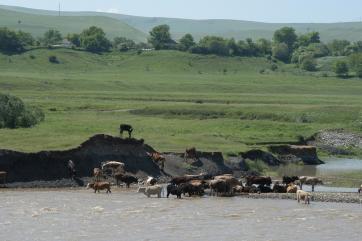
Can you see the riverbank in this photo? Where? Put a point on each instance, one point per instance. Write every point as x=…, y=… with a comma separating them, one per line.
x=316, y=197
x=335, y=197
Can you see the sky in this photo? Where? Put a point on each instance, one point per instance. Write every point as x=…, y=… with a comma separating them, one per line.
x=281, y=11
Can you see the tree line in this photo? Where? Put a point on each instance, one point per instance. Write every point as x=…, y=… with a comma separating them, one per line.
x=285, y=46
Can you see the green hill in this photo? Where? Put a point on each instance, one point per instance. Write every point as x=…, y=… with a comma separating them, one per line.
x=227, y=28
x=38, y=24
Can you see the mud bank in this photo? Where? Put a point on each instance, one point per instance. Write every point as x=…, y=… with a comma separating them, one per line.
x=52, y=165
x=49, y=168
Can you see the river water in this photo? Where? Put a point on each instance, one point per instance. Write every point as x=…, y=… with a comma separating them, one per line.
x=127, y=215
x=335, y=171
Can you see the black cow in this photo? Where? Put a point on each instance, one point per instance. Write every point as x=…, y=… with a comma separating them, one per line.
x=125, y=127
x=128, y=179
x=277, y=188
x=258, y=181
x=287, y=180
x=174, y=190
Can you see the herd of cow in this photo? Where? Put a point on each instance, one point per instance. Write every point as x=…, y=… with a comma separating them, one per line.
x=195, y=185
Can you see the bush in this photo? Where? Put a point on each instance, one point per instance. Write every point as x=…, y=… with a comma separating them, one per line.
x=53, y=59
x=15, y=114
x=274, y=67
x=309, y=64
x=341, y=68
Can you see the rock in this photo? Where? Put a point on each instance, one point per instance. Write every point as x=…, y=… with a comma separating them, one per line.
x=292, y=153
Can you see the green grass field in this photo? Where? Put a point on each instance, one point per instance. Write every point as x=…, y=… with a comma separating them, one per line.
x=174, y=100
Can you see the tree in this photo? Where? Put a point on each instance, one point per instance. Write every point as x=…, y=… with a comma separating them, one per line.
x=214, y=45
x=123, y=44
x=74, y=38
x=14, y=113
x=355, y=61
x=308, y=38
x=339, y=47
x=186, y=42
x=160, y=38
x=94, y=39
x=51, y=37
x=26, y=39
x=281, y=52
x=286, y=35
x=265, y=46
x=341, y=68
x=9, y=41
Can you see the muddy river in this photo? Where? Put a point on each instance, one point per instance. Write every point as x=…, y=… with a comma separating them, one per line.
x=127, y=215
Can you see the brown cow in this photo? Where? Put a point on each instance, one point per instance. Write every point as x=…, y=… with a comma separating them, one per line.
x=158, y=158
x=292, y=188
x=97, y=186
x=303, y=195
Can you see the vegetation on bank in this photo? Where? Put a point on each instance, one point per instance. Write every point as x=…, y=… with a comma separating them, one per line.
x=173, y=99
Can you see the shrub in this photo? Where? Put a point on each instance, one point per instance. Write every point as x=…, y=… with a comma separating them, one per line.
x=309, y=64
x=15, y=114
x=341, y=68
x=53, y=59
x=274, y=67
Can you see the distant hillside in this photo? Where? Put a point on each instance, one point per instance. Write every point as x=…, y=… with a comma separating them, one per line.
x=227, y=28
x=37, y=24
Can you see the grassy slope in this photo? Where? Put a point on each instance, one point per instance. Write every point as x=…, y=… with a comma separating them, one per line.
x=173, y=99
x=227, y=28
x=38, y=24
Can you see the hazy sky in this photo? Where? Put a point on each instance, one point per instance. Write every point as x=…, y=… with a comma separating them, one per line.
x=256, y=10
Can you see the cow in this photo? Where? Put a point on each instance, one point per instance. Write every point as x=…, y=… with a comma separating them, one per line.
x=230, y=180
x=190, y=153
x=219, y=186
x=152, y=190
x=151, y=181
x=97, y=186
x=157, y=158
x=287, y=180
x=264, y=189
x=292, y=188
x=360, y=189
x=128, y=179
x=277, y=188
x=114, y=167
x=303, y=195
x=3, y=177
x=313, y=181
x=125, y=127
x=174, y=190
x=264, y=181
